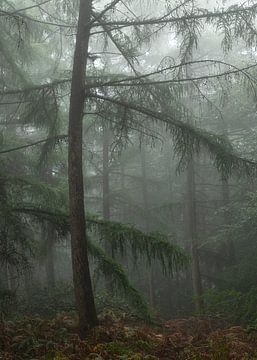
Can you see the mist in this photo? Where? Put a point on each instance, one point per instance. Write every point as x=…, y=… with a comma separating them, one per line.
x=128, y=198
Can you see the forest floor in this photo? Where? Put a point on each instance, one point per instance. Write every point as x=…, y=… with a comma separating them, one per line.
x=183, y=339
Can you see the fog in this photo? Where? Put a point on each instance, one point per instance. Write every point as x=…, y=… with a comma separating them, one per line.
x=128, y=169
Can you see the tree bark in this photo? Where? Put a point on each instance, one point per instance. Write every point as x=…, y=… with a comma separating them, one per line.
x=81, y=273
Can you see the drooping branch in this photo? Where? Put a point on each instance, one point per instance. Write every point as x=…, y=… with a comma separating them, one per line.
x=189, y=139
x=57, y=138
x=110, y=268
x=153, y=246
x=135, y=81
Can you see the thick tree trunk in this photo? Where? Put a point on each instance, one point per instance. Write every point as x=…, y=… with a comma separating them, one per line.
x=81, y=273
x=193, y=236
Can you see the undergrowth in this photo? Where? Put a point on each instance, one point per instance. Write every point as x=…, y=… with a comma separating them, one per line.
x=119, y=339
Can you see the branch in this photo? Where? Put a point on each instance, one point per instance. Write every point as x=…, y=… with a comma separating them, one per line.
x=190, y=139
x=59, y=137
x=122, y=82
x=157, y=21
x=34, y=88
x=10, y=13
x=97, y=17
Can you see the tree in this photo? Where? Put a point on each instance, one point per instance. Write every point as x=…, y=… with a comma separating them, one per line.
x=81, y=273
x=160, y=96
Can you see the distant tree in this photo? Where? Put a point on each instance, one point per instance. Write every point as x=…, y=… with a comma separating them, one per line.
x=134, y=96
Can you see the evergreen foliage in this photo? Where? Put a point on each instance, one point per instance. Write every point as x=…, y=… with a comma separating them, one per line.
x=180, y=103
x=113, y=270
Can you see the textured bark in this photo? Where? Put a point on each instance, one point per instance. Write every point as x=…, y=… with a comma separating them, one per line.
x=193, y=236
x=81, y=273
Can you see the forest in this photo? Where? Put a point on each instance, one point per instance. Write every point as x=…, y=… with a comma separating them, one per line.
x=128, y=193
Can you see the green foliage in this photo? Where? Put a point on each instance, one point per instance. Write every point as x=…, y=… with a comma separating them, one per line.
x=235, y=306
x=111, y=268
x=154, y=246
x=47, y=302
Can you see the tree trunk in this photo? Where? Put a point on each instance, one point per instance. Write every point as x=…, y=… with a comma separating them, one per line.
x=28, y=283
x=49, y=260
x=4, y=283
x=123, y=191
x=106, y=182
x=147, y=227
x=172, y=207
x=193, y=236
x=81, y=274
x=12, y=277
x=230, y=248
x=106, y=196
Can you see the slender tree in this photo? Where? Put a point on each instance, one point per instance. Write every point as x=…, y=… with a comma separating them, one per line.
x=146, y=208
x=193, y=236
x=81, y=272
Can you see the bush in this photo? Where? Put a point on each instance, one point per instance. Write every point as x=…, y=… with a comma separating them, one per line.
x=48, y=302
x=235, y=306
